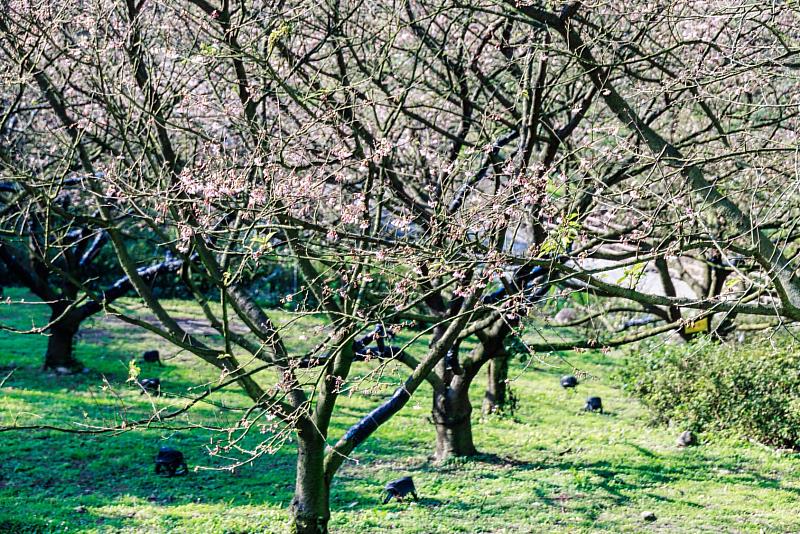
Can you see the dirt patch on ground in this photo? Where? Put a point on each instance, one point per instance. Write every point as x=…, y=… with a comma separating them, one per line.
x=203, y=328
x=109, y=326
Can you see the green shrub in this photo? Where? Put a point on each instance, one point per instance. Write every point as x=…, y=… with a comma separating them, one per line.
x=752, y=391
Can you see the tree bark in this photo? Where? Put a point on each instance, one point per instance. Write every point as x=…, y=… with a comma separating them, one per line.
x=451, y=416
x=496, y=397
x=310, y=508
x=61, y=344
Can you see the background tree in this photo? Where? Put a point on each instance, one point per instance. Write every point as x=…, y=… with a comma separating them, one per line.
x=658, y=73
x=48, y=239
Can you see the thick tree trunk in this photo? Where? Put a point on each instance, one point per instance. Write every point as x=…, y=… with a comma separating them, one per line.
x=310, y=508
x=496, y=397
x=60, y=345
x=451, y=416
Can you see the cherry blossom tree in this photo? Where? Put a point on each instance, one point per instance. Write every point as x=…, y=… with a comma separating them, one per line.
x=669, y=88
x=279, y=166
x=455, y=166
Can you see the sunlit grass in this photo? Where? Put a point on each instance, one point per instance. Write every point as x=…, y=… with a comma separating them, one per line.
x=550, y=468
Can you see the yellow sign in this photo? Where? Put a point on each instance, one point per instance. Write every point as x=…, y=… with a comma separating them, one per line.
x=701, y=325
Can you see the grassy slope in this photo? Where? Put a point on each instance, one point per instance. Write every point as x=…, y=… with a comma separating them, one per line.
x=549, y=470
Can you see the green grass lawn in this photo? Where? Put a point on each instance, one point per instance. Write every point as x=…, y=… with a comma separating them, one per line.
x=548, y=469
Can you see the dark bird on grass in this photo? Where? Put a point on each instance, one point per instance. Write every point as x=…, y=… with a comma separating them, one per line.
x=593, y=404
x=400, y=488
x=569, y=382
x=152, y=356
x=171, y=462
x=687, y=439
x=150, y=385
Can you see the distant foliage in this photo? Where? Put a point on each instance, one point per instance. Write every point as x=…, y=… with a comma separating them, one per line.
x=752, y=390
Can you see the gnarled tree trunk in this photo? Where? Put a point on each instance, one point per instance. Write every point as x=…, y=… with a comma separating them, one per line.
x=61, y=343
x=452, y=408
x=310, y=508
x=496, y=397
x=451, y=416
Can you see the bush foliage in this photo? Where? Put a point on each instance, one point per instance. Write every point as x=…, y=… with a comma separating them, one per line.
x=752, y=391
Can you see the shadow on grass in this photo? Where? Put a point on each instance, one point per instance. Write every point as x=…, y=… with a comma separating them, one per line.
x=75, y=478
x=65, y=473
x=88, y=481
x=600, y=485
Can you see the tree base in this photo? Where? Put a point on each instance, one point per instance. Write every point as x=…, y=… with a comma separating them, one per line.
x=59, y=357
x=454, y=442
x=303, y=523
x=70, y=367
